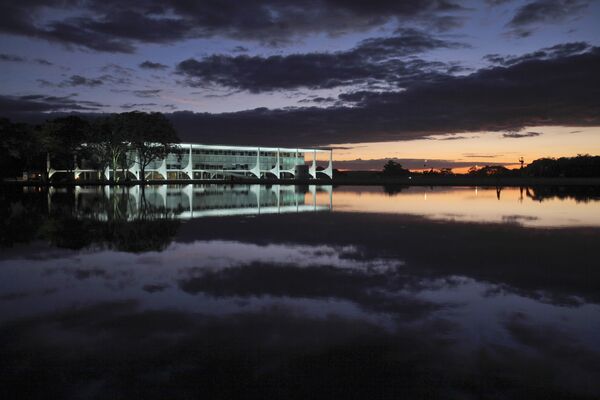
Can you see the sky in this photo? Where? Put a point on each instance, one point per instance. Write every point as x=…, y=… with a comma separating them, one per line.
x=432, y=83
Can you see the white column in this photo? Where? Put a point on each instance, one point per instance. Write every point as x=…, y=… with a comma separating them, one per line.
x=313, y=169
x=190, y=167
x=75, y=167
x=163, y=168
x=256, y=169
x=277, y=169
x=135, y=166
x=329, y=170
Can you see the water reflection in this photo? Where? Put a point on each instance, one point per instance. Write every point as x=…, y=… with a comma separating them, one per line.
x=536, y=207
x=352, y=303
x=194, y=201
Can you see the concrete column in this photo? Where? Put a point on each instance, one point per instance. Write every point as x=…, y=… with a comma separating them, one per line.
x=163, y=168
x=256, y=169
x=277, y=169
x=75, y=167
x=313, y=168
x=190, y=166
x=135, y=166
x=329, y=170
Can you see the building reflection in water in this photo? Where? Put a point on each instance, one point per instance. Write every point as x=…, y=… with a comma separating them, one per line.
x=197, y=201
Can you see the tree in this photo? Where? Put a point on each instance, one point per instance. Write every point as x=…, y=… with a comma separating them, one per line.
x=583, y=165
x=63, y=138
x=491, y=170
x=108, y=141
x=150, y=135
x=20, y=149
x=392, y=168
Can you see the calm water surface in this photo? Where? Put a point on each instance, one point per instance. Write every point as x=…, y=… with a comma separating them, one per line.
x=300, y=292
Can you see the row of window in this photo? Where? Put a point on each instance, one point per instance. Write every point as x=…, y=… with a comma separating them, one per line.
x=220, y=167
x=228, y=167
x=237, y=153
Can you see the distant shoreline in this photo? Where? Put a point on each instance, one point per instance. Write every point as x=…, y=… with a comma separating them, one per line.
x=343, y=181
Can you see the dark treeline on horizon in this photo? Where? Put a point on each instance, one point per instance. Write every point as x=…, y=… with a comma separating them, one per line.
x=580, y=166
x=107, y=141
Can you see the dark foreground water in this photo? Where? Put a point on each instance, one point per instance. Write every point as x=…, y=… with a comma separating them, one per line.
x=300, y=292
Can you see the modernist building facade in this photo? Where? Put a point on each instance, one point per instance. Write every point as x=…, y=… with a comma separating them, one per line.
x=198, y=161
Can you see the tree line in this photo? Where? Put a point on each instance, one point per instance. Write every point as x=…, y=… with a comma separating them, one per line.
x=580, y=166
x=114, y=141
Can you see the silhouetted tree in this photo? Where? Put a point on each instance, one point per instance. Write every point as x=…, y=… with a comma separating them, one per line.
x=583, y=165
x=491, y=170
x=151, y=136
x=392, y=168
x=20, y=149
x=63, y=138
x=439, y=172
x=108, y=141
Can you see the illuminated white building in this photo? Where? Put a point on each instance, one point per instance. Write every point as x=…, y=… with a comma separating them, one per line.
x=199, y=161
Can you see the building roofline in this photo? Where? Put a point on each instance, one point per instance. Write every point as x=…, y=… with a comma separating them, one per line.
x=255, y=148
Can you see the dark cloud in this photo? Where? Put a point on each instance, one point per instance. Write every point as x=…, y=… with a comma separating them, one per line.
x=544, y=11
x=557, y=91
x=154, y=288
x=547, y=11
x=131, y=106
x=445, y=23
x=498, y=99
x=373, y=60
x=42, y=61
x=23, y=105
x=11, y=58
x=14, y=58
x=114, y=74
x=519, y=135
x=78, y=80
x=319, y=100
x=477, y=155
x=153, y=65
x=497, y=2
x=146, y=93
x=118, y=26
x=117, y=74
x=547, y=53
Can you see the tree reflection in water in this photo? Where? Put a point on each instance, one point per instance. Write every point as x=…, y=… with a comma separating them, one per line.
x=107, y=221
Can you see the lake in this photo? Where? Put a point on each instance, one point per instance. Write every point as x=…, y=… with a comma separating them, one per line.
x=226, y=291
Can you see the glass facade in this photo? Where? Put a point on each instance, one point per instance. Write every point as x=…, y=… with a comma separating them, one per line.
x=205, y=162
